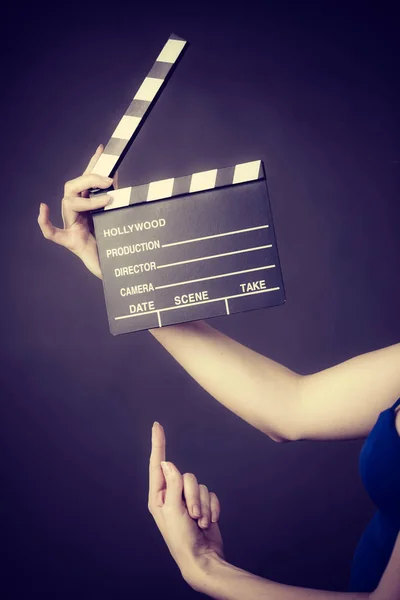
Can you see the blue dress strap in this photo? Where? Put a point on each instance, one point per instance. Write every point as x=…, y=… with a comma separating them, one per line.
x=396, y=404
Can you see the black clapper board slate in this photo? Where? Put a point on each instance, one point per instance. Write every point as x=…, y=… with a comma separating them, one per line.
x=184, y=248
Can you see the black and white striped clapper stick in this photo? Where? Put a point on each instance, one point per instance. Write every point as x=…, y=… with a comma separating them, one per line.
x=140, y=107
x=188, y=184
x=188, y=247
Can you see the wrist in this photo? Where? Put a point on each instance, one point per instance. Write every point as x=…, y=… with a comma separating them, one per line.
x=201, y=569
x=94, y=268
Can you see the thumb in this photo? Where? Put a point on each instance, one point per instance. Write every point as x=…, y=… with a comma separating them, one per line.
x=173, y=494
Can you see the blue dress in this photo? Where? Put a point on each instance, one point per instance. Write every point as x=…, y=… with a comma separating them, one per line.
x=380, y=474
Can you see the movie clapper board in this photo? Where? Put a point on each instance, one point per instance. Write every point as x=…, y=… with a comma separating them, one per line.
x=184, y=248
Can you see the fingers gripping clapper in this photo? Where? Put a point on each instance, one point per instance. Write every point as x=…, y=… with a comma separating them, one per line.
x=183, y=248
x=176, y=186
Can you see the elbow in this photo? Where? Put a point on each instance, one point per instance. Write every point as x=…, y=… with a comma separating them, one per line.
x=288, y=432
x=280, y=439
x=289, y=426
x=284, y=424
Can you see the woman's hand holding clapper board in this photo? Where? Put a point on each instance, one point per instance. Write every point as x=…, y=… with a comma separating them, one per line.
x=77, y=234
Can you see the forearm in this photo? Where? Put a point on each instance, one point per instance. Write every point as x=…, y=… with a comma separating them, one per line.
x=220, y=580
x=259, y=390
x=254, y=387
x=340, y=402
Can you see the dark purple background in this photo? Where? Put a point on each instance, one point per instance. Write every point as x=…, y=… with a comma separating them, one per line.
x=314, y=93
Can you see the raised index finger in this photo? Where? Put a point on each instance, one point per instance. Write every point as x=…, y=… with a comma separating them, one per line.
x=156, y=476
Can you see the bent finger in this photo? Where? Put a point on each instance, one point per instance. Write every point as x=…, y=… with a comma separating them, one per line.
x=205, y=506
x=173, y=496
x=78, y=204
x=72, y=206
x=85, y=193
x=215, y=507
x=85, y=182
x=192, y=495
x=49, y=231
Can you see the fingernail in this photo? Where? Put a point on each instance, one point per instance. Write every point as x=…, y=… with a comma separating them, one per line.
x=204, y=522
x=214, y=517
x=107, y=179
x=100, y=147
x=156, y=423
x=196, y=511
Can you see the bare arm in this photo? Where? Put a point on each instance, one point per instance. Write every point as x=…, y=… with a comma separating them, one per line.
x=340, y=402
x=345, y=401
x=259, y=390
x=220, y=580
x=213, y=576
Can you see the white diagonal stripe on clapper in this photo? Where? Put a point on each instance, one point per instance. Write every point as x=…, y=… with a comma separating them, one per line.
x=171, y=51
x=126, y=127
x=119, y=198
x=148, y=89
x=247, y=171
x=160, y=189
x=105, y=165
x=203, y=181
